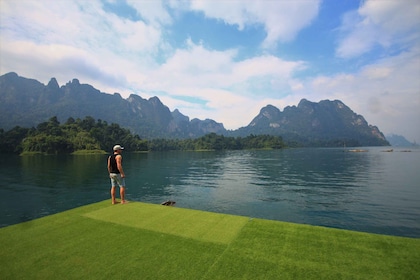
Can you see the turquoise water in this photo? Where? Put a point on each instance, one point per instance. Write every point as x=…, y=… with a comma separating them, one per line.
x=372, y=191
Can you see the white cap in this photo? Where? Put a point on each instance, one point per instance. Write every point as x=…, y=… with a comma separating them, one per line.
x=118, y=147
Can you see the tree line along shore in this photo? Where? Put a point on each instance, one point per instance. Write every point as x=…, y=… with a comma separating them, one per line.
x=96, y=136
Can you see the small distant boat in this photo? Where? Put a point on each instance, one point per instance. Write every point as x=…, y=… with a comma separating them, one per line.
x=357, y=151
x=389, y=151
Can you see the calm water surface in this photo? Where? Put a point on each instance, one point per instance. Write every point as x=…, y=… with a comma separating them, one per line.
x=373, y=191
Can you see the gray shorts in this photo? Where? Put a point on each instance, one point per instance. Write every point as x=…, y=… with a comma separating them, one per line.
x=116, y=180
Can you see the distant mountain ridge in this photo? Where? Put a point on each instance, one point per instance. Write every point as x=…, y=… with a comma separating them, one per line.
x=327, y=123
x=399, y=141
x=27, y=102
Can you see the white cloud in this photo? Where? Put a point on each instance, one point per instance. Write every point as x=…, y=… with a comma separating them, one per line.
x=201, y=67
x=378, y=72
x=282, y=20
x=214, y=85
x=383, y=23
x=393, y=16
x=153, y=12
x=82, y=24
x=75, y=39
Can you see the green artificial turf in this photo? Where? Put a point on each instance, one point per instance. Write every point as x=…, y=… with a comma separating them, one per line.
x=199, y=225
x=146, y=241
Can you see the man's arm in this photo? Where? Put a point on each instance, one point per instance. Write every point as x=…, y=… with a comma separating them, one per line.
x=109, y=164
x=119, y=165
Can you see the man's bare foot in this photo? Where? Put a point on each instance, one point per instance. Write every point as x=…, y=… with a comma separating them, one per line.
x=124, y=201
x=113, y=202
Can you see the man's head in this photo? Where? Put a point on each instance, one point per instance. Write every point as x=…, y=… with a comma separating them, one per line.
x=118, y=148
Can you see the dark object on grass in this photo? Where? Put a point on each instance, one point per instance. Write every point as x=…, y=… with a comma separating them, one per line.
x=168, y=203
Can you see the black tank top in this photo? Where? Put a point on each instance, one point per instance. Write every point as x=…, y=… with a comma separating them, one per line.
x=113, y=163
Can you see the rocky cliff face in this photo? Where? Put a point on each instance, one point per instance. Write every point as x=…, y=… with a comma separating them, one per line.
x=324, y=123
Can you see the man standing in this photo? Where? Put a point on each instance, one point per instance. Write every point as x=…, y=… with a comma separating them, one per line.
x=116, y=173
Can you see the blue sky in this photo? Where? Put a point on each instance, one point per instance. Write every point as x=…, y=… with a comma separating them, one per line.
x=226, y=59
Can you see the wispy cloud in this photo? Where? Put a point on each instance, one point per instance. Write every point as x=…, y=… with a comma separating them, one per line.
x=282, y=20
x=379, y=24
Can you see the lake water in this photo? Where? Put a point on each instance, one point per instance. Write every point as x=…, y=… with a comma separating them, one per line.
x=373, y=191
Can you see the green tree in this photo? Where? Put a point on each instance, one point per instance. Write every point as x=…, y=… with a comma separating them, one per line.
x=49, y=144
x=11, y=141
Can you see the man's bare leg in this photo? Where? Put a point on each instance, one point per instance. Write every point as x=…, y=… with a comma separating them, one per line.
x=122, y=194
x=113, y=195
